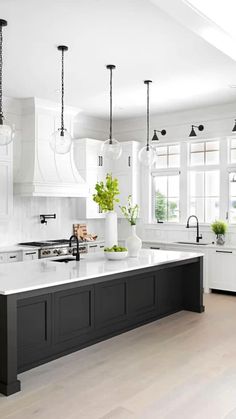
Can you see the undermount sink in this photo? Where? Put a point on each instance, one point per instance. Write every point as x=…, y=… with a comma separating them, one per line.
x=65, y=260
x=193, y=243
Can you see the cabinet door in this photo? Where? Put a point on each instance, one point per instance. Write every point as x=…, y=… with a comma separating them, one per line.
x=142, y=295
x=33, y=327
x=110, y=303
x=6, y=193
x=169, y=290
x=73, y=313
x=222, y=268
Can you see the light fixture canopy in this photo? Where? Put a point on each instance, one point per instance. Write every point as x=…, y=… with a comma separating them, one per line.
x=234, y=128
x=111, y=148
x=193, y=132
x=155, y=137
x=147, y=153
x=61, y=140
x=7, y=131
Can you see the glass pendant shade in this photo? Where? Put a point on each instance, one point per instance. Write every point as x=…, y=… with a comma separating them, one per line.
x=61, y=141
x=7, y=132
x=147, y=155
x=111, y=149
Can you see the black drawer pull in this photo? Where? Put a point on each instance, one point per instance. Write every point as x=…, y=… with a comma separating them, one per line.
x=12, y=257
x=94, y=245
x=30, y=253
x=155, y=248
x=102, y=246
x=223, y=251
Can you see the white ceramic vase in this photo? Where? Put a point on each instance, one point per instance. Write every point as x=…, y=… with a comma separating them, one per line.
x=111, y=235
x=133, y=243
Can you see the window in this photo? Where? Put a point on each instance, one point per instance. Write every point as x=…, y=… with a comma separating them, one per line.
x=166, y=197
x=232, y=197
x=167, y=156
x=204, y=190
x=204, y=153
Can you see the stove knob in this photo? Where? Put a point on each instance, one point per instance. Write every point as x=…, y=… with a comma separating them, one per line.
x=59, y=252
x=55, y=251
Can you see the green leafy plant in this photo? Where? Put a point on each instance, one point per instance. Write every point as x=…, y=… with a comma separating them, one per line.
x=130, y=212
x=219, y=227
x=106, y=193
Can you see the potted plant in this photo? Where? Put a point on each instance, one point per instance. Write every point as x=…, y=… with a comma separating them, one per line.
x=219, y=228
x=106, y=197
x=133, y=242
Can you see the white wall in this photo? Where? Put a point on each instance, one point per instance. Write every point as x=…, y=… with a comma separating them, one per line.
x=218, y=122
x=24, y=224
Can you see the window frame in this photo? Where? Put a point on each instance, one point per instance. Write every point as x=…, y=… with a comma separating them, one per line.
x=164, y=172
x=223, y=166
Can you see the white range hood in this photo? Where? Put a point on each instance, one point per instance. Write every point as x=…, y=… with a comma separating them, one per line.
x=41, y=172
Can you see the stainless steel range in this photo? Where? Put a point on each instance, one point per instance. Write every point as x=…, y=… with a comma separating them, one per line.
x=54, y=248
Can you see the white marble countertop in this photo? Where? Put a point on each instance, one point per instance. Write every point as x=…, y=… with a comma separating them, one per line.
x=37, y=274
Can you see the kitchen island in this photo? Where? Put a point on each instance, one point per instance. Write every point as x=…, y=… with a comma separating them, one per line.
x=49, y=309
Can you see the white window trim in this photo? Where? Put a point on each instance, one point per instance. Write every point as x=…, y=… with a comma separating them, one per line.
x=224, y=168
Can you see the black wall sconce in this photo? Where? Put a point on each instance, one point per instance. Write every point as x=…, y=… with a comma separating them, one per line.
x=234, y=128
x=45, y=217
x=193, y=132
x=155, y=137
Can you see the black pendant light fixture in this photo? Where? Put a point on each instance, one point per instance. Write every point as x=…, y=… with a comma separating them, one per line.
x=193, y=132
x=111, y=148
x=61, y=140
x=155, y=137
x=7, y=131
x=147, y=153
x=234, y=128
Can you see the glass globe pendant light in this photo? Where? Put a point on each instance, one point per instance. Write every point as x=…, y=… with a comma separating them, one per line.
x=61, y=140
x=111, y=148
x=7, y=132
x=147, y=153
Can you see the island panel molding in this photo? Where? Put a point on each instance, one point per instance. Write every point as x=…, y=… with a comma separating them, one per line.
x=44, y=324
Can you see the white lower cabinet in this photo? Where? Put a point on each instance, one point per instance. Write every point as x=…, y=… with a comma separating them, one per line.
x=222, y=269
x=95, y=247
x=30, y=255
x=9, y=257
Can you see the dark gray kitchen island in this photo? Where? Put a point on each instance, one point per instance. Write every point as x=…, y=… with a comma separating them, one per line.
x=50, y=309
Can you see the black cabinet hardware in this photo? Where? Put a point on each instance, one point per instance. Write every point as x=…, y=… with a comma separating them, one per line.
x=155, y=248
x=129, y=161
x=30, y=253
x=223, y=251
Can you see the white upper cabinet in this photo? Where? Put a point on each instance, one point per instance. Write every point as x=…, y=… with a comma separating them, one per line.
x=94, y=167
x=6, y=182
x=127, y=170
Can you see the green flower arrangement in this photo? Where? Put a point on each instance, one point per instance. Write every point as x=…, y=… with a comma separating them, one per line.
x=219, y=227
x=130, y=212
x=106, y=193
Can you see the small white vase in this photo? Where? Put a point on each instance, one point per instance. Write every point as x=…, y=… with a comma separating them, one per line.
x=111, y=235
x=133, y=243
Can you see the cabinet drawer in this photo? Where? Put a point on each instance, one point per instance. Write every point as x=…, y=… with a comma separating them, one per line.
x=30, y=255
x=3, y=257
x=13, y=257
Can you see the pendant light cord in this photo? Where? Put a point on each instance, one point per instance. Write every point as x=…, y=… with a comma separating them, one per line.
x=110, y=137
x=148, y=146
x=62, y=91
x=1, y=42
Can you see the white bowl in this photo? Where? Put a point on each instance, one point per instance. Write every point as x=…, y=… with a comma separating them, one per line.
x=116, y=255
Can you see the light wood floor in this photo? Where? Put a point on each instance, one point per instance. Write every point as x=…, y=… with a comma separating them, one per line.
x=182, y=367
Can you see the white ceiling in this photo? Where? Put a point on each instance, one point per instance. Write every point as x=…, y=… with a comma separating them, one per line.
x=136, y=35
